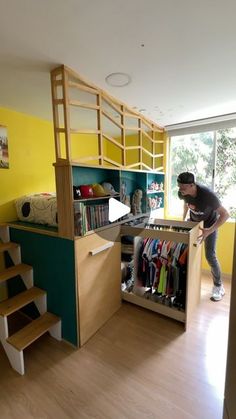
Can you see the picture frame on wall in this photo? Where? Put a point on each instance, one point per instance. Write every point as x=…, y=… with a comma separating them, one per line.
x=4, y=157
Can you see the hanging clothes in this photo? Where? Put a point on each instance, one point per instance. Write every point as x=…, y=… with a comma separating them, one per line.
x=162, y=270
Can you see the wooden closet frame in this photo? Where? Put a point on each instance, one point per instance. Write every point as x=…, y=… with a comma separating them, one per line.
x=63, y=79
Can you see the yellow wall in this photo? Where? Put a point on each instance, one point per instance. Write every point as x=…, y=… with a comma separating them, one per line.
x=31, y=155
x=225, y=246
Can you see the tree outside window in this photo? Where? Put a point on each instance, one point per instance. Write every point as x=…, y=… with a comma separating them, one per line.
x=205, y=154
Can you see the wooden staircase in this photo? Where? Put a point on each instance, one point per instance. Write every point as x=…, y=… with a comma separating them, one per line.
x=46, y=322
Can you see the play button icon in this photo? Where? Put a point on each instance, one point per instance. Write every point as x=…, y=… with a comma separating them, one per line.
x=117, y=209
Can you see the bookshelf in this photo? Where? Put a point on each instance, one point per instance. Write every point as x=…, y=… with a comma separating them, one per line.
x=91, y=213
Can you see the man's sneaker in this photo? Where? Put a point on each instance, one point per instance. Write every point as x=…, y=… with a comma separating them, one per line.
x=217, y=293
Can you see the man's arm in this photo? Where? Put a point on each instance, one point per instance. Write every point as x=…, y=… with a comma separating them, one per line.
x=223, y=216
x=185, y=211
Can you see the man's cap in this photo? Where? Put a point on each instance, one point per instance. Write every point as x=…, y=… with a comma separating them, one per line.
x=108, y=188
x=186, y=178
x=98, y=190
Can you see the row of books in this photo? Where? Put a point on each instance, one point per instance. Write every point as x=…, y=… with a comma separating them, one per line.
x=89, y=217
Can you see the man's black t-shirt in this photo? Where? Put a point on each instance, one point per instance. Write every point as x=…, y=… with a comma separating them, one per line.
x=203, y=207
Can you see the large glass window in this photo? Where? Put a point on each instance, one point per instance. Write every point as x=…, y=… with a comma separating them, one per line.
x=211, y=156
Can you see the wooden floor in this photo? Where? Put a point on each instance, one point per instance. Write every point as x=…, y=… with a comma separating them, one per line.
x=139, y=365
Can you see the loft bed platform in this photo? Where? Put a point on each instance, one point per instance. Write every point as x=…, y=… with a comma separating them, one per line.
x=35, y=228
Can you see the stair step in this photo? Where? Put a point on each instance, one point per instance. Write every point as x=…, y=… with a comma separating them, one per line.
x=15, y=270
x=33, y=331
x=15, y=303
x=7, y=246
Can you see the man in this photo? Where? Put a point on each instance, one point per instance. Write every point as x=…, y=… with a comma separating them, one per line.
x=204, y=205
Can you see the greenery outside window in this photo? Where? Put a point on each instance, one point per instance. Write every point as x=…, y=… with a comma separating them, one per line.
x=211, y=156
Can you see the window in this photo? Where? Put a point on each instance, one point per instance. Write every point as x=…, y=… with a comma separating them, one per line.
x=211, y=156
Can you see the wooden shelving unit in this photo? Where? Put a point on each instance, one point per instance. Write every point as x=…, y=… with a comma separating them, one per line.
x=110, y=121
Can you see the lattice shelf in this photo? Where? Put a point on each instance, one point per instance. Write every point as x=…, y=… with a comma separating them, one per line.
x=118, y=136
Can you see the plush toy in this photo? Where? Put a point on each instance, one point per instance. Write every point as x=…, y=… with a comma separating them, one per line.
x=137, y=202
x=123, y=193
x=127, y=200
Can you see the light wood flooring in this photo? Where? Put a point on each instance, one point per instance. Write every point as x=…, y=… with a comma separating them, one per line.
x=139, y=365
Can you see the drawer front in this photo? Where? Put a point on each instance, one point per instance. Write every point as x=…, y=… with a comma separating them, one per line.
x=98, y=260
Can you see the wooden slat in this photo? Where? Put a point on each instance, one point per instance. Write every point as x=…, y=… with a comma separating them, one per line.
x=147, y=167
x=99, y=127
x=153, y=150
x=112, y=105
x=55, y=115
x=14, y=271
x=20, y=300
x=134, y=128
x=32, y=331
x=130, y=115
x=148, y=136
x=33, y=229
x=156, y=129
x=107, y=115
x=134, y=165
x=148, y=124
x=58, y=101
x=8, y=246
x=112, y=140
x=60, y=130
x=153, y=127
x=123, y=136
x=66, y=109
x=83, y=105
x=82, y=87
x=133, y=147
x=85, y=131
x=58, y=82
x=115, y=163
x=147, y=152
x=140, y=140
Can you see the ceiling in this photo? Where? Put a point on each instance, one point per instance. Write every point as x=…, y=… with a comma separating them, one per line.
x=180, y=55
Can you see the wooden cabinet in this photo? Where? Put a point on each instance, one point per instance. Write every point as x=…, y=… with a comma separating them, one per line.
x=98, y=249
x=177, y=232
x=98, y=261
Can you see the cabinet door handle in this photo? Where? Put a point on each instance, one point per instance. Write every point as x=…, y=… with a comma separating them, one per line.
x=101, y=248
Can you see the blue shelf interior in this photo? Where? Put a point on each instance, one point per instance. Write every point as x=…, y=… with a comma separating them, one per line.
x=90, y=175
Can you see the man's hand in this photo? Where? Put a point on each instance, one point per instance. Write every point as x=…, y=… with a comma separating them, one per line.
x=205, y=233
x=223, y=215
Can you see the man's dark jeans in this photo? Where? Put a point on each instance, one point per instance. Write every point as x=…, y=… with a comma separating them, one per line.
x=210, y=252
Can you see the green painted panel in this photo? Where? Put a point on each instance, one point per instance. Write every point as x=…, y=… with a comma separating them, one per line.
x=53, y=264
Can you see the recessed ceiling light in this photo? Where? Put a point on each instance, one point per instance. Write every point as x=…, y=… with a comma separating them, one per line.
x=118, y=79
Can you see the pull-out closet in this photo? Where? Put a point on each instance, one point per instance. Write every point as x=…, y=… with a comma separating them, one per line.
x=166, y=267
